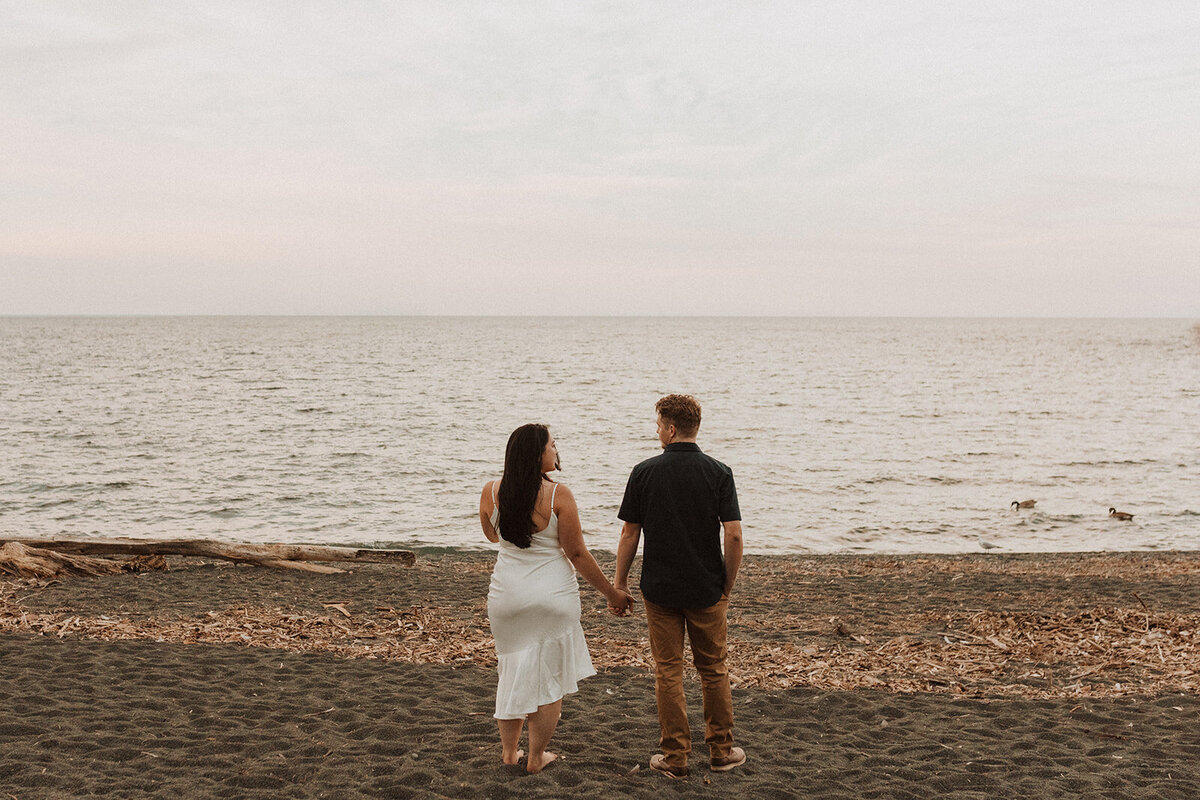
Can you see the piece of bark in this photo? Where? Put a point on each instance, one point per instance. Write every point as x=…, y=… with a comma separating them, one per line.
x=35, y=562
x=303, y=566
x=144, y=563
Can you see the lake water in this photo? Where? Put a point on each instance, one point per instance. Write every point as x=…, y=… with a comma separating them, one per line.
x=863, y=435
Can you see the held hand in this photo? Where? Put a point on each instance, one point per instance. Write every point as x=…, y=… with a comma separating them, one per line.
x=621, y=605
x=629, y=602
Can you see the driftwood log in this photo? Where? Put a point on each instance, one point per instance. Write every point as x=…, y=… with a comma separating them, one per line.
x=34, y=562
x=287, y=556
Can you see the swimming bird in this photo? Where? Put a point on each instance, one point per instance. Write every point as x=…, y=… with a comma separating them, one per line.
x=1024, y=503
x=1112, y=512
x=986, y=545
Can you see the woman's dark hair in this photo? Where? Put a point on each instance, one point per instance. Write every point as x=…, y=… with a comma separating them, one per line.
x=521, y=482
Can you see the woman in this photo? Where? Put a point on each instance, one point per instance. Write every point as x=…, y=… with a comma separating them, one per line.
x=533, y=601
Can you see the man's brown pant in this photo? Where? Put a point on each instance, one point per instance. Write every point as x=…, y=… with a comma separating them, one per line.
x=706, y=630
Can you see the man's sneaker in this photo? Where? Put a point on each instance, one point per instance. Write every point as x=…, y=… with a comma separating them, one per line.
x=736, y=757
x=659, y=762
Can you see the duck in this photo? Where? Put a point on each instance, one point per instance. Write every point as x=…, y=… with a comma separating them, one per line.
x=1024, y=503
x=1123, y=515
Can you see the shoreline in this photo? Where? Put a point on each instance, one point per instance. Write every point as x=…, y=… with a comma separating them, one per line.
x=1037, y=675
x=976, y=551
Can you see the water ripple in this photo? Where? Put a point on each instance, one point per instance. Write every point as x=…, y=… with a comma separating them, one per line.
x=857, y=434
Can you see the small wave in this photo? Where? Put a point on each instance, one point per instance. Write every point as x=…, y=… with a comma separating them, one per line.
x=879, y=479
x=224, y=513
x=53, y=503
x=86, y=486
x=906, y=480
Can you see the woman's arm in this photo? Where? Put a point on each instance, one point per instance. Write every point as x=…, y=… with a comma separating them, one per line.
x=570, y=538
x=485, y=513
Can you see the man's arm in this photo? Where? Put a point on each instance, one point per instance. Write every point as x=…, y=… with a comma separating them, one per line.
x=733, y=552
x=631, y=534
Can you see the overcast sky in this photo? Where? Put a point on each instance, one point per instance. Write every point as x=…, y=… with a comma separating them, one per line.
x=933, y=159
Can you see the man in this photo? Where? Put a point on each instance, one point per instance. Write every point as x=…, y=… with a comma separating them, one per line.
x=682, y=499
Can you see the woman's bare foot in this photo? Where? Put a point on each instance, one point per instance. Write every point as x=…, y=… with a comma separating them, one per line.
x=534, y=769
x=515, y=758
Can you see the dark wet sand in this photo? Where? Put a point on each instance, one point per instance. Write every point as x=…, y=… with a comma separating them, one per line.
x=84, y=717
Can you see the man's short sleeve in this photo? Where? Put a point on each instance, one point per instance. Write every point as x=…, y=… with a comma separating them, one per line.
x=728, y=510
x=631, y=504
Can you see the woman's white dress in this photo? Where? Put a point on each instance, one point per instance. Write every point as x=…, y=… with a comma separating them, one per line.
x=533, y=607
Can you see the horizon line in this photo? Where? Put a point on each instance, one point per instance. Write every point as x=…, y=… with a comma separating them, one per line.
x=235, y=315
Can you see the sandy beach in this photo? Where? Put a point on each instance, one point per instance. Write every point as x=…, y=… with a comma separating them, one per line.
x=1044, y=675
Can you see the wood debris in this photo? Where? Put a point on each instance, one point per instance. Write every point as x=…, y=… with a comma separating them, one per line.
x=70, y=556
x=34, y=562
x=1104, y=650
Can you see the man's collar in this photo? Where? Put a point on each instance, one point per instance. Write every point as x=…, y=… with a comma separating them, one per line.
x=681, y=447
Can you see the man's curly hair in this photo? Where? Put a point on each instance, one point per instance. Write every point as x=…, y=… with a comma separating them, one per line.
x=682, y=411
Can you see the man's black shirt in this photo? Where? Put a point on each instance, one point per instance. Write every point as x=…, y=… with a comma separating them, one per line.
x=680, y=499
